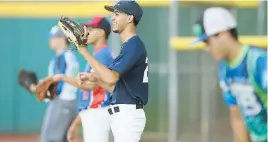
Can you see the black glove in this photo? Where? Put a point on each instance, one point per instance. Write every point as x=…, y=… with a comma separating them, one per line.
x=26, y=79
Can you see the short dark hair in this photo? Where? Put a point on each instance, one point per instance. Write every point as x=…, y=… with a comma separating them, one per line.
x=107, y=34
x=135, y=22
x=233, y=32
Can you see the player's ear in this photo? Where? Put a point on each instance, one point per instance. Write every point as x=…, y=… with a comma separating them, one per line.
x=130, y=18
x=101, y=33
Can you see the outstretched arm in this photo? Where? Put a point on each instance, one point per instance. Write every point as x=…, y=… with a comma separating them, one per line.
x=74, y=82
x=72, y=134
x=238, y=125
x=87, y=78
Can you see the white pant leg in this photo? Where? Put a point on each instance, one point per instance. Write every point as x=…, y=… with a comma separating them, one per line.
x=96, y=125
x=128, y=124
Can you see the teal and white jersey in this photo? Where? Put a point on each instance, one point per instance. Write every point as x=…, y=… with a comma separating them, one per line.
x=244, y=83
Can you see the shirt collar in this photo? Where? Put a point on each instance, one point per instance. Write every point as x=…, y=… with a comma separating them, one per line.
x=100, y=47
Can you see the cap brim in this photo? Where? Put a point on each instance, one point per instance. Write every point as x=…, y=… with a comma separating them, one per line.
x=199, y=39
x=109, y=8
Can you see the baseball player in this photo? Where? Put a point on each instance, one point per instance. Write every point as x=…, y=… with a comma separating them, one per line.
x=127, y=77
x=61, y=111
x=243, y=73
x=93, y=101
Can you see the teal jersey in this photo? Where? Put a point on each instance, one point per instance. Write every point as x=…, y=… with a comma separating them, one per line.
x=244, y=83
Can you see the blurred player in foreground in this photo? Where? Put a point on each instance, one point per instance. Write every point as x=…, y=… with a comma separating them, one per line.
x=93, y=101
x=127, y=77
x=243, y=73
x=61, y=110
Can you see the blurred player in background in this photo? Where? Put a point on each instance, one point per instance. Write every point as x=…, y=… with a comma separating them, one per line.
x=93, y=101
x=61, y=111
x=243, y=73
x=127, y=76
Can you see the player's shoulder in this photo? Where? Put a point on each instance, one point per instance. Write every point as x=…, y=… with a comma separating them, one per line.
x=256, y=54
x=134, y=42
x=104, y=53
x=106, y=50
x=257, y=51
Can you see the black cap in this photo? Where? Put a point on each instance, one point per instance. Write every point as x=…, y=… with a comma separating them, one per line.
x=129, y=7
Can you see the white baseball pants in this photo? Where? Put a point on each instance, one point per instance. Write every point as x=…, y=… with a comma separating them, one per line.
x=128, y=124
x=96, y=124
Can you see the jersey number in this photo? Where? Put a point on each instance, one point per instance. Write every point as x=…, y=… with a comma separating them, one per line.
x=247, y=100
x=145, y=75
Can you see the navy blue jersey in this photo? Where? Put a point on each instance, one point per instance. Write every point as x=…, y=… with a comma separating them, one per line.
x=132, y=65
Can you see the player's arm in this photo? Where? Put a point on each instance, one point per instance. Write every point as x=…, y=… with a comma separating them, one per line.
x=107, y=75
x=73, y=81
x=77, y=121
x=238, y=125
x=239, y=129
x=110, y=75
x=71, y=73
x=73, y=130
x=33, y=86
x=88, y=79
x=101, y=83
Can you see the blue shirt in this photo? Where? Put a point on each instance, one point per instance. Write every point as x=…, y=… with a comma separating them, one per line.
x=244, y=84
x=99, y=97
x=132, y=65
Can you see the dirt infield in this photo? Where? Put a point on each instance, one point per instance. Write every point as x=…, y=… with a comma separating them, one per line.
x=21, y=138
x=35, y=138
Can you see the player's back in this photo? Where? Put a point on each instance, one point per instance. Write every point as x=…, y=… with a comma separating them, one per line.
x=244, y=81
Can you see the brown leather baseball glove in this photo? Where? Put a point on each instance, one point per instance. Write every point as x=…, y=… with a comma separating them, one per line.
x=46, y=89
x=73, y=31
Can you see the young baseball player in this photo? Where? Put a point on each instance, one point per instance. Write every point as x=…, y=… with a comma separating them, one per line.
x=61, y=111
x=93, y=101
x=243, y=73
x=127, y=77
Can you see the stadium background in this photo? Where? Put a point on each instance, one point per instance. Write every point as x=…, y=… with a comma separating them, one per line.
x=201, y=115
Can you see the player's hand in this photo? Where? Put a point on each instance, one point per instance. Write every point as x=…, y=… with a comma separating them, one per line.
x=82, y=76
x=86, y=78
x=58, y=77
x=72, y=134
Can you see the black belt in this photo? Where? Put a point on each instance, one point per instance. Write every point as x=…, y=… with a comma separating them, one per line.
x=117, y=108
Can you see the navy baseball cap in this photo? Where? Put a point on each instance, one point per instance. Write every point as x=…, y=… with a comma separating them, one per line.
x=128, y=7
x=213, y=21
x=56, y=32
x=101, y=23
